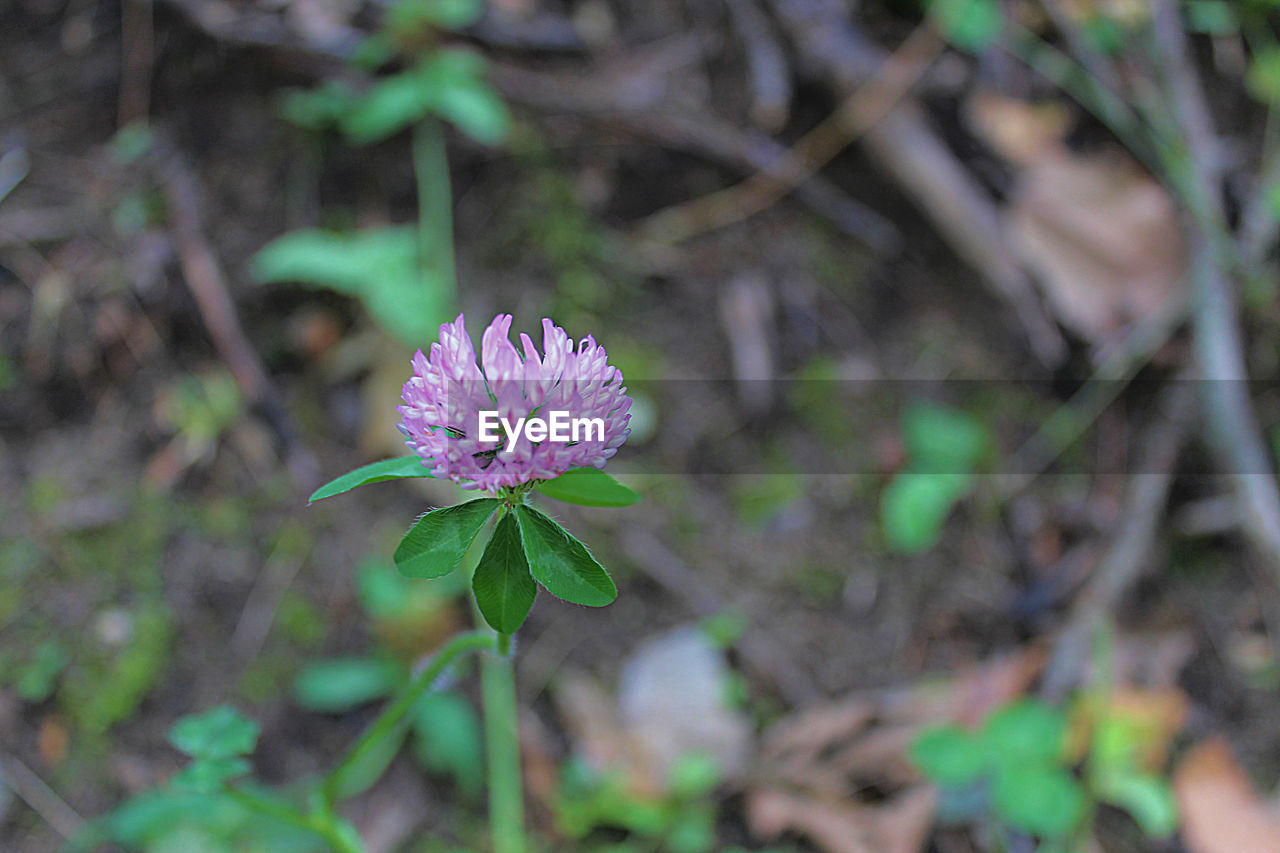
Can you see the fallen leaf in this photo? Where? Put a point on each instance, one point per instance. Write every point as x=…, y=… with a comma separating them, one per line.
x=832, y=752
x=899, y=825
x=1103, y=237
x=1099, y=232
x=1220, y=811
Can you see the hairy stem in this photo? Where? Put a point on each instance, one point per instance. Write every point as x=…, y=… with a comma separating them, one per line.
x=506, y=791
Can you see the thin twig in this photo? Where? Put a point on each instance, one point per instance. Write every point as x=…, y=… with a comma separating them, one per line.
x=770, y=77
x=264, y=598
x=746, y=150
x=1119, y=365
x=1123, y=562
x=857, y=114
x=208, y=284
x=42, y=799
x=906, y=147
x=137, y=49
x=1231, y=426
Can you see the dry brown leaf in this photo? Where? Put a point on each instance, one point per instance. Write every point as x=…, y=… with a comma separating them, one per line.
x=971, y=695
x=814, y=729
x=1020, y=131
x=1220, y=811
x=829, y=753
x=1103, y=238
x=1099, y=232
x=901, y=825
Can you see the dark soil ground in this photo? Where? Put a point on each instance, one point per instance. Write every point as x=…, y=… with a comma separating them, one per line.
x=146, y=544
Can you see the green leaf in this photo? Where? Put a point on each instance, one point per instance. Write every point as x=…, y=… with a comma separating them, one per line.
x=950, y=756
x=914, y=507
x=561, y=563
x=971, y=25
x=206, y=775
x=1263, y=77
x=1212, y=17
x=318, y=108
x=340, y=684
x=388, y=469
x=475, y=109
x=221, y=733
x=354, y=779
x=503, y=586
x=435, y=546
x=1148, y=799
x=449, y=85
x=941, y=440
x=389, y=106
x=379, y=266
x=1043, y=801
x=446, y=14
x=589, y=487
x=40, y=676
x=384, y=592
x=694, y=774
x=448, y=740
x=1025, y=732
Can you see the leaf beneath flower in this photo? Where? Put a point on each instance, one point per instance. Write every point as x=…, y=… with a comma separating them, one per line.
x=504, y=588
x=561, y=563
x=376, y=472
x=589, y=487
x=435, y=546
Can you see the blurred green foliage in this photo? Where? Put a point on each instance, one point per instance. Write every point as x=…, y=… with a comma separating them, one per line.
x=1017, y=768
x=943, y=447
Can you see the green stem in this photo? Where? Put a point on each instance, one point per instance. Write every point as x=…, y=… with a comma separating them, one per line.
x=435, y=209
x=320, y=825
x=506, y=790
x=394, y=713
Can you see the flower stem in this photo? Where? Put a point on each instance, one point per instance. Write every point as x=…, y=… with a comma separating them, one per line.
x=435, y=209
x=394, y=713
x=506, y=790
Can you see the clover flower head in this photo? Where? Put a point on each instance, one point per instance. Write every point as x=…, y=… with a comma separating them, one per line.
x=448, y=393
